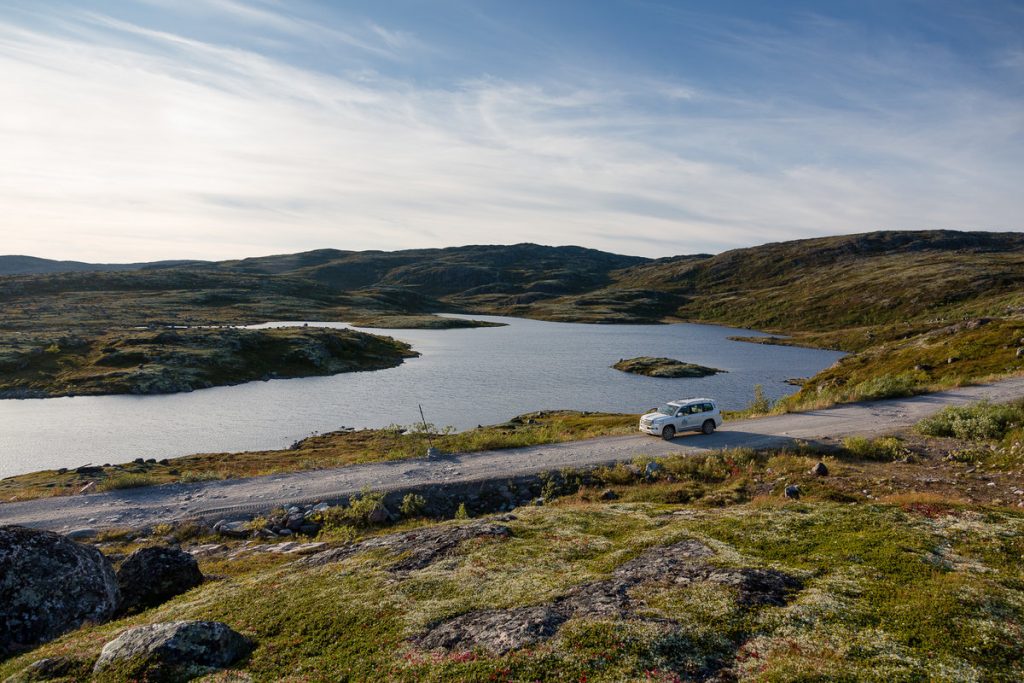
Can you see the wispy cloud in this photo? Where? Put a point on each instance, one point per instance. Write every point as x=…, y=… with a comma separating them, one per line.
x=123, y=141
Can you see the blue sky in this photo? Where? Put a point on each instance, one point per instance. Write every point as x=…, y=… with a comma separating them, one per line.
x=155, y=129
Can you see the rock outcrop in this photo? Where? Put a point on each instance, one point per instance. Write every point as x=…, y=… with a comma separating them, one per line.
x=49, y=585
x=416, y=549
x=174, y=651
x=500, y=631
x=154, y=575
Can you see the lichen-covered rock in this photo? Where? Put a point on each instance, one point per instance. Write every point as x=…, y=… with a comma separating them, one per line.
x=416, y=549
x=49, y=585
x=502, y=630
x=173, y=651
x=151, y=576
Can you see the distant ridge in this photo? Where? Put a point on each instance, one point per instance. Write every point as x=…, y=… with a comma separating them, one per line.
x=32, y=265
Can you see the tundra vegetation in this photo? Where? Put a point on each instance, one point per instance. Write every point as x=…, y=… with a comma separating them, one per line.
x=173, y=360
x=900, y=560
x=915, y=310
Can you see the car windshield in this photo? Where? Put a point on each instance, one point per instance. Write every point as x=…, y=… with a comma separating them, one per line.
x=666, y=409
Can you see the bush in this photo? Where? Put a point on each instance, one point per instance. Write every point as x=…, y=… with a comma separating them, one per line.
x=462, y=512
x=886, y=449
x=889, y=386
x=355, y=515
x=412, y=505
x=761, y=403
x=127, y=480
x=976, y=422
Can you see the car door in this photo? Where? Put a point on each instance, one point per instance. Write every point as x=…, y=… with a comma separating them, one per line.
x=685, y=418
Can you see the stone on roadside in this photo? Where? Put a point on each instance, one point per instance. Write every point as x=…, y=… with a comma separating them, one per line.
x=151, y=576
x=49, y=585
x=378, y=515
x=820, y=470
x=233, y=529
x=81, y=534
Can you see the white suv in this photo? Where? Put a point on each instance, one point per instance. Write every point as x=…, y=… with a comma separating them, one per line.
x=686, y=414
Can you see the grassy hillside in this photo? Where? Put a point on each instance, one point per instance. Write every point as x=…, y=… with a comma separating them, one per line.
x=898, y=301
x=916, y=309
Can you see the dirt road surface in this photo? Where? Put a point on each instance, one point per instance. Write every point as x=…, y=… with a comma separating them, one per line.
x=239, y=497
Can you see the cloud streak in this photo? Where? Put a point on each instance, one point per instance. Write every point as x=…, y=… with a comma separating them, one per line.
x=126, y=142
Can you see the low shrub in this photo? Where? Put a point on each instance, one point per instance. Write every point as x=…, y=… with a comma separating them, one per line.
x=889, y=386
x=128, y=480
x=412, y=505
x=355, y=515
x=885, y=449
x=977, y=422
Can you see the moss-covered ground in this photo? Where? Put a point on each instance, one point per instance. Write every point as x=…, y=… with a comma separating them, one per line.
x=909, y=560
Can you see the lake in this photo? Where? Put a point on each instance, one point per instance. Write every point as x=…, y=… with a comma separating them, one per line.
x=463, y=378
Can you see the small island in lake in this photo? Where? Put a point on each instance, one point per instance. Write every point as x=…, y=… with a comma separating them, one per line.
x=663, y=367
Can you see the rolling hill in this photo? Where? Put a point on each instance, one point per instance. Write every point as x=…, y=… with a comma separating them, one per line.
x=915, y=309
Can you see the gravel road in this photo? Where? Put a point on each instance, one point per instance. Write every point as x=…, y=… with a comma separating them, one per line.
x=236, y=497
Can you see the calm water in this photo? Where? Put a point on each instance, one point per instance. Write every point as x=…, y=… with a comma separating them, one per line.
x=463, y=378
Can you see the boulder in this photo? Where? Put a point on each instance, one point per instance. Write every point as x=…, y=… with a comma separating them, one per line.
x=820, y=470
x=608, y=494
x=176, y=650
x=49, y=585
x=652, y=469
x=378, y=515
x=154, y=575
x=792, y=492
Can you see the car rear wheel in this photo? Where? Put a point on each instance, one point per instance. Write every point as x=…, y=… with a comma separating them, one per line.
x=708, y=426
x=668, y=433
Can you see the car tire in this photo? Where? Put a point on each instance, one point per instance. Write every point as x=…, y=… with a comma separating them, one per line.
x=708, y=427
x=668, y=433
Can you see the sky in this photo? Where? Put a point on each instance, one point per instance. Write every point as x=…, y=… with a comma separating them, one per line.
x=138, y=130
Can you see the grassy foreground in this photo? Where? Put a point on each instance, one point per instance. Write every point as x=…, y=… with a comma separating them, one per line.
x=903, y=566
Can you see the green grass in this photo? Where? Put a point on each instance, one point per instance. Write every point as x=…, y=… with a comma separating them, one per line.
x=879, y=603
x=127, y=480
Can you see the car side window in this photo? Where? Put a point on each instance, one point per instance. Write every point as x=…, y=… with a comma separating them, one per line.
x=708, y=407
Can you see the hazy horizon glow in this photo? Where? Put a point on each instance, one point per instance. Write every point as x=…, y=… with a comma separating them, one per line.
x=216, y=129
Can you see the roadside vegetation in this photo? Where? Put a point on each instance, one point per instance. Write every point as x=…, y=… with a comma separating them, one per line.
x=334, y=449
x=899, y=563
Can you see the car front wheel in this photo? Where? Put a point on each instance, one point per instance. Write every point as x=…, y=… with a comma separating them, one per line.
x=668, y=433
x=708, y=426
